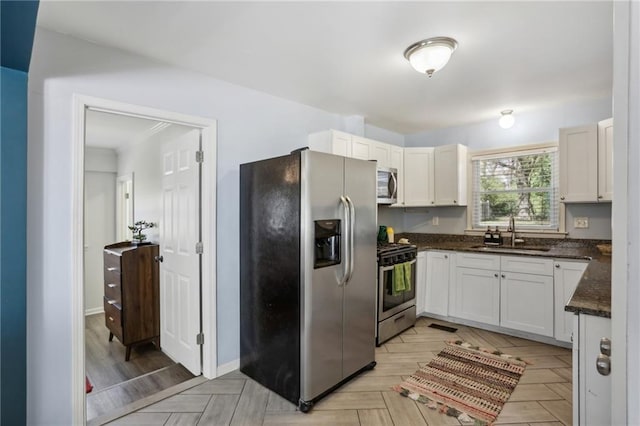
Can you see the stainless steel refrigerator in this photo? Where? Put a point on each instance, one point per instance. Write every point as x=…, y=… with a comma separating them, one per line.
x=307, y=272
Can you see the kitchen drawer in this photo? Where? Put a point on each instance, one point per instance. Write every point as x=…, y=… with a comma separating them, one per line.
x=527, y=265
x=113, y=318
x=111, y=262
x=478, y=261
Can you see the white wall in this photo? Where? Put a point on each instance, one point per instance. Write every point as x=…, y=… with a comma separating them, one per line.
x=99, y=222
x=383, y=135
x=251, y=126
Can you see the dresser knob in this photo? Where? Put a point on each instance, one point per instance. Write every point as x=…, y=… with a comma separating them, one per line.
x=159, y=259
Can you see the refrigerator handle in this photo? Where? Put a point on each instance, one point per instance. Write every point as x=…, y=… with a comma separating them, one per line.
x=352, y=219
x=347, y=253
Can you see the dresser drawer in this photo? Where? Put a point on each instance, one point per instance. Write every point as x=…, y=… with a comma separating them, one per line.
x=113, y=286
x=111, y=262
x=113, y=318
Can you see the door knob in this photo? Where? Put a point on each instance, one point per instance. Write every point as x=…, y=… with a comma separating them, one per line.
x=605, y=346
x=603, y=365
x=159, y=259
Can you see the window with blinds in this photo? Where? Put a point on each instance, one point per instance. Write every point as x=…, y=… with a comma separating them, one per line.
x=523, y=184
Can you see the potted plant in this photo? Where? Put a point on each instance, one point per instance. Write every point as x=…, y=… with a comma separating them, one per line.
x=137, y=228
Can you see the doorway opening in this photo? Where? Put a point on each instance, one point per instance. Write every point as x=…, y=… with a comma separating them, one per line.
x=137, y=164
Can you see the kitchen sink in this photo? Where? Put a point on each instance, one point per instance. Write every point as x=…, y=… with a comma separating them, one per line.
x=509, y=248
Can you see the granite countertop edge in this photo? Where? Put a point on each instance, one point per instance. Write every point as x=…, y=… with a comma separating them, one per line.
x=593, y=293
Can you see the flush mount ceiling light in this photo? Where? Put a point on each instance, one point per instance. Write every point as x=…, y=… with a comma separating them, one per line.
x=507, y=119
x=430, y=55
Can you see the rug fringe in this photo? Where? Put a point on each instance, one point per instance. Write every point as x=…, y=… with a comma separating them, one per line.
x=467, y=345
x=440, y=407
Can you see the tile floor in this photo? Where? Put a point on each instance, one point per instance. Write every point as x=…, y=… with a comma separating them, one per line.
x=543, y=395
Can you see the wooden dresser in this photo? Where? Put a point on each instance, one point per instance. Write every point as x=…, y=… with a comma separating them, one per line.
x=132, y=293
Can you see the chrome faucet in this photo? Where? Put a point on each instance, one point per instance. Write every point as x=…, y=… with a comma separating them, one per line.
x=512, y=228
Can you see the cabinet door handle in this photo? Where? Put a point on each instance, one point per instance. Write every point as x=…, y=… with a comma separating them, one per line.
x=600, y=196
x=562, y=198
x=503, y=276
x=111, y=285
x=558, y=265
x=495, y=275
x=111, y=319
x=111, y=269
x=111, y=302
x=159, y=259
x=446, y=256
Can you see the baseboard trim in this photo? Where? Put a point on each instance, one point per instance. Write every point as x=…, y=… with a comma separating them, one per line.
x=93, y=311
x=228, y=367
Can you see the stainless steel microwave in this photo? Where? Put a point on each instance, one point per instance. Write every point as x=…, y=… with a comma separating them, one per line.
x=387, y=185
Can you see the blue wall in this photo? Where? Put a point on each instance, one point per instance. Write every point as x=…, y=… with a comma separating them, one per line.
x=13, y=229
x=17, y=23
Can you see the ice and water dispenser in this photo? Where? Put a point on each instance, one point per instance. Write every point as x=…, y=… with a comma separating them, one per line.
x=327, y=243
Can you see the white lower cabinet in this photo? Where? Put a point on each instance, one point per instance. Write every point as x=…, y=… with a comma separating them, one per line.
x=437, y=282
x=566, y=276
x=477, y=295
x=526, y=302
x=592, y=388
x=421, y=281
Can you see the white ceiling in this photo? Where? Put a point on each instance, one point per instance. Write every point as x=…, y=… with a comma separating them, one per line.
x=347, y=57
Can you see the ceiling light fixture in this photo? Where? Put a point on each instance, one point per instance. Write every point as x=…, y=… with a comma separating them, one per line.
x=507, y=119
x=430, y=55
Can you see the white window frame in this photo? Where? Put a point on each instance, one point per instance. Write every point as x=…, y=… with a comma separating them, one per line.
x=511, y=151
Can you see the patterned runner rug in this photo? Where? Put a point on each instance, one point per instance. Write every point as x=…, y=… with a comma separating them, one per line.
x=465, y=382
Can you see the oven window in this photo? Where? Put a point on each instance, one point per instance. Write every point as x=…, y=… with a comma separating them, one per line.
x=390, y=299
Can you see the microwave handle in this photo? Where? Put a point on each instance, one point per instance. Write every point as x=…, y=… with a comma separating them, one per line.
x=393, y=180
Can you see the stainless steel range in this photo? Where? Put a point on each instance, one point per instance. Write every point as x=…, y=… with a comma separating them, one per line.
x=396, y=310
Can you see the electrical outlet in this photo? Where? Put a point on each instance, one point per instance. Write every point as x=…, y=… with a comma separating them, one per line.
x=435, y=221
x=580, y=222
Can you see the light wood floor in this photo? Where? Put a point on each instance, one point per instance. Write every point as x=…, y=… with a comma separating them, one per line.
x=543, y=395
x=116, y=382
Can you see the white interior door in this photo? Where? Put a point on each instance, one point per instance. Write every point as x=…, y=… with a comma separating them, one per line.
x=179, y=234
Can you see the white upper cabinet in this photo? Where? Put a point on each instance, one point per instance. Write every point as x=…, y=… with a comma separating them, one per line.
x=605, y=160
x=586, y=161
x=418, y=177
x=361, y=148
x=381, y=152
x=331, y=142
x=450, y=175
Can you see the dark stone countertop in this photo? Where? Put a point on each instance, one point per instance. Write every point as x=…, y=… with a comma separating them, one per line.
x=593, y=294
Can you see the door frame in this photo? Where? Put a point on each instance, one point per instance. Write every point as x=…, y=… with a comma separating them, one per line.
x=208, y=187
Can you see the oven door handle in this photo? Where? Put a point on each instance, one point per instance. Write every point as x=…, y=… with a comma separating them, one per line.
x=345, y=242
x=388, y=268
x=352, y=219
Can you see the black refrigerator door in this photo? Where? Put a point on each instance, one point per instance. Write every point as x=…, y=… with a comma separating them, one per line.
x=270, y=274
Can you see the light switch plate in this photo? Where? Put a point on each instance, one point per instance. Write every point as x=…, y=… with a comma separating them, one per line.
x=580, y=222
